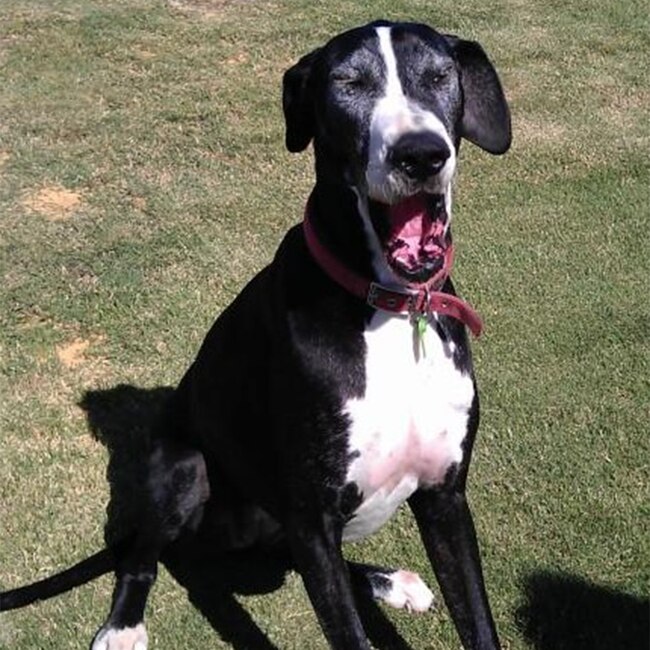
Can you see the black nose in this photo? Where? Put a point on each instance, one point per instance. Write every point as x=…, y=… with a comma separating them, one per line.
x=419, y=155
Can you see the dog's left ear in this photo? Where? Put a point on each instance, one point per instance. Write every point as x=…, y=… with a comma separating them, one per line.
x=297, y=103
x=486, y=116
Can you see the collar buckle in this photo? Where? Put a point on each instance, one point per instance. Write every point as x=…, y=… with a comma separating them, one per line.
x=393, y=300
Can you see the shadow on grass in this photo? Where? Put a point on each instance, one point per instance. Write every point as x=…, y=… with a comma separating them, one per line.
x=121, y=419
x=564, y=612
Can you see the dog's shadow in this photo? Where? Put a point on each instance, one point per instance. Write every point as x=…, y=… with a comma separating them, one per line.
x=565, y=612
x=121, y=419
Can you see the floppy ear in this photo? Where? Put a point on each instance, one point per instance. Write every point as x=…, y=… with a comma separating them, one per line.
x=486, y=116
x=297, y=104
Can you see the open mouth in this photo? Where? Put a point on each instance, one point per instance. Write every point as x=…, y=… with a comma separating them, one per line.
x=418, y=236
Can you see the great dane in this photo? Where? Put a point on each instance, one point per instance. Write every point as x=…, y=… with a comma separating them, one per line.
x=339, y=383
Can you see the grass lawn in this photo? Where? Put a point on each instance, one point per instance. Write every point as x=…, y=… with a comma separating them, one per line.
x=143, y=180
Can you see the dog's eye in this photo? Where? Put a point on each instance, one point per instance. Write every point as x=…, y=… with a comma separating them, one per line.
x=352, y=82
x=434, y=77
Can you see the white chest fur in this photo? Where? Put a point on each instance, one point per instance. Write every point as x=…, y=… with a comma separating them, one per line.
x=408, y=428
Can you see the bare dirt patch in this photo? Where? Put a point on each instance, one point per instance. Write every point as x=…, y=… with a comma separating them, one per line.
x=55, y=203
x=4, y=157
x=73, y=353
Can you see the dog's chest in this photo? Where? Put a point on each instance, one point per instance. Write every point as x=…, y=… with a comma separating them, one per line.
x=408, y=429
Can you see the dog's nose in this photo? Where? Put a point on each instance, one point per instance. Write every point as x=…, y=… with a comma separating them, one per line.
x=419, y=155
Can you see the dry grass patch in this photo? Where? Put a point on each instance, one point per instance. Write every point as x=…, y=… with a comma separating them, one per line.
x=627, y=110
x=54, y=203
x=202, y=8
x=72, y=354
x=80, y=356
x=7, y=633
x=534, y=130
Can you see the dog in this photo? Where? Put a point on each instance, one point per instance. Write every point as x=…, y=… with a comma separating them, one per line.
x=339, y=383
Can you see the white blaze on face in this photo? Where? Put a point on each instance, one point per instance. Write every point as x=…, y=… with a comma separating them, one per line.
x=394, y=116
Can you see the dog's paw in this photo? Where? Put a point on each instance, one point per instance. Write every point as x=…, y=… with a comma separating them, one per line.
x=407, y=591
x=128, y=638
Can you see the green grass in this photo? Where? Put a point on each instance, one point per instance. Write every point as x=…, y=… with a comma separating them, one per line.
x=164, y=125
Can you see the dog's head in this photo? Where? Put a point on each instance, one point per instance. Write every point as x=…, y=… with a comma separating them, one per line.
x=386, y=106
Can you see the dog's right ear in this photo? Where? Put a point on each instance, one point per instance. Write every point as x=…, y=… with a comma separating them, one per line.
x=298, y=105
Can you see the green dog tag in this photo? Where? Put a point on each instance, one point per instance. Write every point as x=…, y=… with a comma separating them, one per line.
x=421, y=328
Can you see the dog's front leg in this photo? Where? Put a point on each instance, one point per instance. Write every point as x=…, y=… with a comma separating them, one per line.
x=447, y=530
x=316, y=546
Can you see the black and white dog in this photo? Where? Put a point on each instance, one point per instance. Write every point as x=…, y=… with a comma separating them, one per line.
x=339, y=383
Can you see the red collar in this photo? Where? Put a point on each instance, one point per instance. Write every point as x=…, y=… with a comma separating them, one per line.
x=415, y=299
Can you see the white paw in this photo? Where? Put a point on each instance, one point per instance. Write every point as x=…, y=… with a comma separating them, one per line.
x=128, y=638
x=408, y=591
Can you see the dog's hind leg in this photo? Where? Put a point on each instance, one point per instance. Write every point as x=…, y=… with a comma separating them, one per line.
x=176, y=489
x=395, y=587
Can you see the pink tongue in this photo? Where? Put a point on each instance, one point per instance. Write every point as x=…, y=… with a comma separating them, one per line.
x=416, y=234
